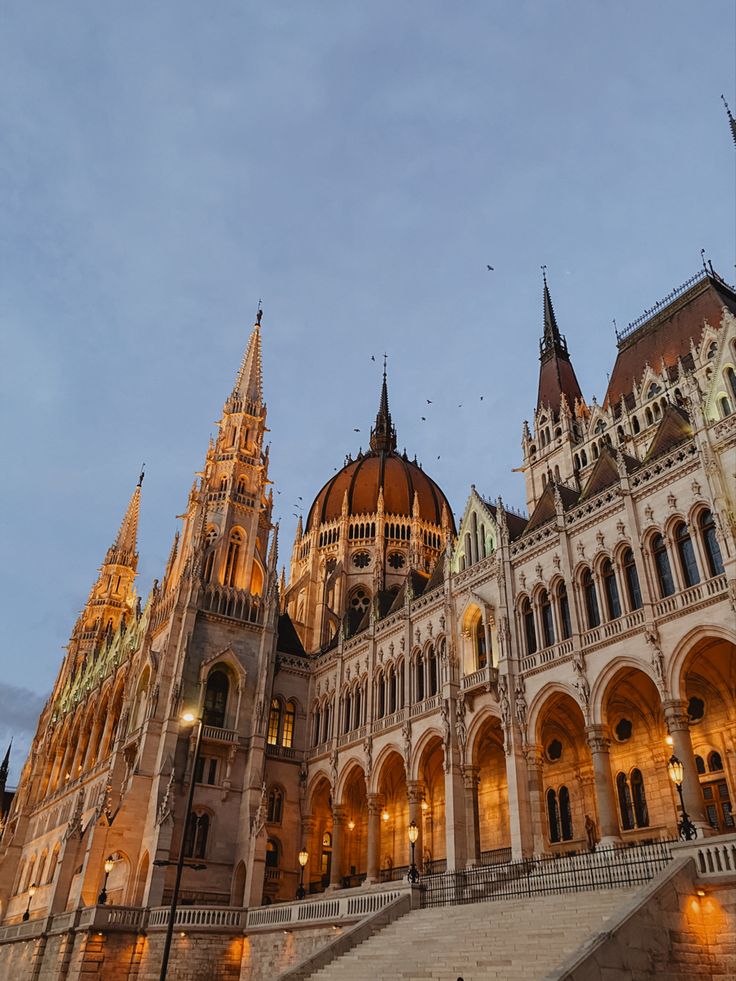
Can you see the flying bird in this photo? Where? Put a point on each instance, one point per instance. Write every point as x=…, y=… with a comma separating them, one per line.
x=460, y=405
x=424, y=418
x=373, y=357
x=429, y=401
x=356, y=430
x=490, y=268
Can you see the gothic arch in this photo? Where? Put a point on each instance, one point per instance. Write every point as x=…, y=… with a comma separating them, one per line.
x=540, y=704
x=607, y=675
x=316, y=779
x=382, y=759
x=347, y=770
x=686, y=650
x=477, y=724
x=426, y=739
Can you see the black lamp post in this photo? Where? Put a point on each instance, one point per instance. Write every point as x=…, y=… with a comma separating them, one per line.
x=687, y=829
x=31, y=894
x=188, y=718
x=303, y=859
x=413, y=875
x=109, y=863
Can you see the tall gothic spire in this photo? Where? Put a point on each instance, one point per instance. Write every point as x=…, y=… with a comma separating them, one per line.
x=4, y=768
x=556, y=374
x=249, y=383
x=383, y=435
x=123, y=551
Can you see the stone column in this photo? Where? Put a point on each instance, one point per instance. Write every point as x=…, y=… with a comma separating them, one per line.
x=534, y=767
x=374, y=837
x=471, y=779
x=415, y=796
x=339, y=814
x=455, y=843
x=599, y=744
x=678, y=726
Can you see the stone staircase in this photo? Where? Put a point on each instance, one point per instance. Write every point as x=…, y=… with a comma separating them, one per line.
x=511, y=940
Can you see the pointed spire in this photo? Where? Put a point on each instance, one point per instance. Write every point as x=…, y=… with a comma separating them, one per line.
x=731, y=120
x=552, y=335
x=557, y=375
x=124, y=548
x=383, y=435
x=249, y=383
x=4, y=769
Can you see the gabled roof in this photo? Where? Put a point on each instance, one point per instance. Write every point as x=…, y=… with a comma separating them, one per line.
x=605, y=472
x=437, y=577
x=674, y=428
x=287, y=639
x=665, y=336
x=546, y=509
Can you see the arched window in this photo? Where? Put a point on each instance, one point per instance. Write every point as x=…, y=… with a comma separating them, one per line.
x=591, y=599
x=53, y=863
x=274, y=721
x=481, y=654
x=686, y=552
x=610, y=588
x=565, y=814
x=420, y=677
x=391, y=686
x=710, y=543
x=662, y=565
x=272, y=854
x=195, y=842
x=700, y=764
x=641, y=814
x=731, y=379
x=381, y=691
x=548, y=626
x=635, y=425
x=287, y=733
x=563, y=606
x=631, y=577
x=724, y=404
x=233, y=556
x=357, y=707
x=624, y=802
x=527, y=615
x=432, y=656
x=215, y=699
x=315, y=735
x=553, y=816
x=715, y=763
x=275, y=805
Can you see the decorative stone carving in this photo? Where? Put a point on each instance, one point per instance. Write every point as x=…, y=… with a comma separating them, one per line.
x=581, y=683
x=651, y=635
x=461, y=729
x=406, y=747
x=166, y=804
x=445, y=724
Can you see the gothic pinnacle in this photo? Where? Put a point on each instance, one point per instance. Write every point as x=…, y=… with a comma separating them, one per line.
x=249, y=383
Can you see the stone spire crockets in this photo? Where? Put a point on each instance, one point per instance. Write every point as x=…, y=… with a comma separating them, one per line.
x=249, y=383
x=123, y=549
x=383, y=434
x=556, y=374
x=731, y=120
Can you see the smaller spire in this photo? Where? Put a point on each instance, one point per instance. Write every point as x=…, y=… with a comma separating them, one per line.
x=552, y=338
x=4, y=769
x=383, y=435
x=731, y=120
x=127, y=538
x=249, y=382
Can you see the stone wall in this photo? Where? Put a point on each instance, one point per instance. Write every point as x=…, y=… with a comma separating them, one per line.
x=666, y=931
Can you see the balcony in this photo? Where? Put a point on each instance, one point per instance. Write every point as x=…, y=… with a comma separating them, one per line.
x=213, y=734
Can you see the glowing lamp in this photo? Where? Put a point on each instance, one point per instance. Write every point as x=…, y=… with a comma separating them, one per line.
x=109, y=863
x=32, y=890
x=385, y=817
x=413, y=832
x=676, y=770
x=351, y=825
x=188, y=717
x=303, y=857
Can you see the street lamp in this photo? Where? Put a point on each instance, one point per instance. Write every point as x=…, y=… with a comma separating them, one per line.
x=188, y=718
x=303, y=859
x=109, y=865
x=31, y=894
x=687, y=829
x=413, y=875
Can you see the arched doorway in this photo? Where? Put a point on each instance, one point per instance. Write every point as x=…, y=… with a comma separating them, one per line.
x=487, y=779
x=432, y=846
x=318, y=831
x=394, y=834
x=237, y=894
x=141, y=877
x=565, y=793
x=354, y=859
x=632, y=711
x=707, y=683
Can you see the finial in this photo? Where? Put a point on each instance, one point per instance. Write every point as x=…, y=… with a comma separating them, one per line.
x=385, y=361
x=142, y=474
x=544, y=274
x=259, y=313
x=702, y=259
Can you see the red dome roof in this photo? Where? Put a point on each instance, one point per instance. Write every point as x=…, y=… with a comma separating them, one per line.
x=363, y=478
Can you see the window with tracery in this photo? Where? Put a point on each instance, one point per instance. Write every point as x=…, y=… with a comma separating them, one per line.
x=215, y=699
x=195, y=841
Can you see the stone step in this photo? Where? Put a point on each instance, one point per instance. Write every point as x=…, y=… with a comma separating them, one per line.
x=517, y=940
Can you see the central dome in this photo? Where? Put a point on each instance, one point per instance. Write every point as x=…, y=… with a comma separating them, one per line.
x=380, y=469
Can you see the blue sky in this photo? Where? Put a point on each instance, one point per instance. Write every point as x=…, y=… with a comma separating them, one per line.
x=356, y=166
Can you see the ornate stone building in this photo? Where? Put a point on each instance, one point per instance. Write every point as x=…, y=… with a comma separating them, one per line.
x=515, y=686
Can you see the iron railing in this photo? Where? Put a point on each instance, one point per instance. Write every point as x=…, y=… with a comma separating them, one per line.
x=607, y=868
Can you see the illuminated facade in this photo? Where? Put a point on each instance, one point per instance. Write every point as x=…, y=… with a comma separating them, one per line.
x=514, y=685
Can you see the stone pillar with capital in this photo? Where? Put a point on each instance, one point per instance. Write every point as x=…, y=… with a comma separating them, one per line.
x=339, y=816
x=471, y=780
x=308, y=842
x=374, y=838
x=678, y=726
x=534, y=769
x=455, y=838
x=599, y=743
